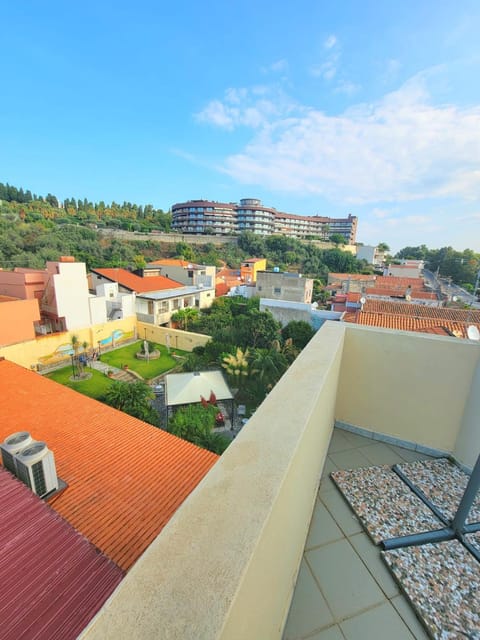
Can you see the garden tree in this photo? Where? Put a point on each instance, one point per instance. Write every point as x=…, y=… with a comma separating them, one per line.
x=236, y=366
x=337, y=238
x=267, y=367
x=184, y=317
x=133, y=398
x=299, y=331
x=257, y=329
x=195, y=423
x=383, y=246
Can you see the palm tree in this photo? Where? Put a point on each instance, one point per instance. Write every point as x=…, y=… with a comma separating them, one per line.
x=133, y=398
x=183, y=316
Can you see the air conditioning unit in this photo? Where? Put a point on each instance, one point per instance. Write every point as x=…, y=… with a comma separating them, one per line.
x=12, y=445
x=36, y=468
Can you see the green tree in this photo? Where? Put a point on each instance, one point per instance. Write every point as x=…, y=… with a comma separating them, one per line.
x=299, y=331
x=195, y=423
x=337, y=238
x=133, y=398
x=184, y=317
x=383, y=246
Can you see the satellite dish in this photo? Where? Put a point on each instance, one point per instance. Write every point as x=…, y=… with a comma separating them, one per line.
x=408, y=297
x=473, y=333
x=455, y=298
x=363, y=300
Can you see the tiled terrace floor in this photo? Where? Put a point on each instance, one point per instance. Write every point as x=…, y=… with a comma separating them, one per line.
x=344, y=591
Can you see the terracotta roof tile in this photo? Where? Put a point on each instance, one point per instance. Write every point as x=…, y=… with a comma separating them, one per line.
x=414, y=317
x=136, y=283
x=173, y=262
x=125, y=478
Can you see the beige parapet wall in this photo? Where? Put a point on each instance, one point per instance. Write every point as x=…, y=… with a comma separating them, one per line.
x=174, y=338
x=410, y=386
x=46, y=350
x=225, y=565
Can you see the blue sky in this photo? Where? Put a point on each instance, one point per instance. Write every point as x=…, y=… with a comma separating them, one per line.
x=368, y=108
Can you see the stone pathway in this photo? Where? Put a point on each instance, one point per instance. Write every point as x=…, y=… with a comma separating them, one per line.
x=118, y=374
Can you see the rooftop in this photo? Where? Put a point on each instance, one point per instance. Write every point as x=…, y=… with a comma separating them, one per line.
x=125, y=478
x=415, y=317
x=46, y=561
x=136, y=283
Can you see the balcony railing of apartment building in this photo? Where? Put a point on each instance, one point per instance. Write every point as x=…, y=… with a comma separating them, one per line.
x=226, y=564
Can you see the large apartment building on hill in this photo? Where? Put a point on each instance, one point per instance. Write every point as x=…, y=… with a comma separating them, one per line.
x=222, y=218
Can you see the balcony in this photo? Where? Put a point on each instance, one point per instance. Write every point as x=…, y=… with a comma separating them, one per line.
x=243, y=558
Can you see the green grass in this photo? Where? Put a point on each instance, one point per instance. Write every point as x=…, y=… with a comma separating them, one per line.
x=147, y=369
x=95, y=387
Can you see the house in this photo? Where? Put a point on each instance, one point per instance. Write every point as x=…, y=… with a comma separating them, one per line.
x=17, y=319
x=250, y=268
x=406, y=316
x=371, y=254
x=63, y=296
x=275, y=285
x=157, y=297
x=125, y=478
x=188, y=273
x=355, y=396
x=410, y=270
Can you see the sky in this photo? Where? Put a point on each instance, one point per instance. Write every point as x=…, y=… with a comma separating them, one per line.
x=316, y=108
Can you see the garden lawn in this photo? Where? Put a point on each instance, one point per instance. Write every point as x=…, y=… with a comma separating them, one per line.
x=95, y=387
x=148, y=369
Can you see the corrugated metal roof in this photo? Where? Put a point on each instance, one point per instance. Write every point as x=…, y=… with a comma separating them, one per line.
x=125, y=478
x=52, y=580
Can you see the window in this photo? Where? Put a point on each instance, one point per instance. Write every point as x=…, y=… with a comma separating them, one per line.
x=150, y=307
x=260, y=287
x=190, y=274
x=277, y=290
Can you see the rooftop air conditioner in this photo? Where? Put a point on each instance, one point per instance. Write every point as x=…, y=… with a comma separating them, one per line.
x=12, y=445
x=36, y=468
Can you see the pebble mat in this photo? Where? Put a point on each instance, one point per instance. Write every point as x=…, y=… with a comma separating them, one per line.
x=473, y=539
x=442, y=581
x=383, y=503
x=443, y=484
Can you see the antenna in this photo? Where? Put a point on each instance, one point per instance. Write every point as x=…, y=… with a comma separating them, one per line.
x=473, y=333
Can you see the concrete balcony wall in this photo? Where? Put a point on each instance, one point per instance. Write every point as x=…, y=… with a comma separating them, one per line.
x=225, y=565
x=467, y=446
x=408, y=386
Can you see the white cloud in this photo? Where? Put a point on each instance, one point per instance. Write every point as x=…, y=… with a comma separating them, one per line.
x=397, y=149
x=254, y=108
x=330, y=42
x=347, y=87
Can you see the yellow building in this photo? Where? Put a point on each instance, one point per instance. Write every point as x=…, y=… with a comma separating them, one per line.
x=250, y=268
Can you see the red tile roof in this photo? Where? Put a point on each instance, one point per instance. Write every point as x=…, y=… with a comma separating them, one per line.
x=414, y=317
x=125, y=478
x=173, y=262
x=52, y=580
x=401, y=291
x=339, y=277
x=416, y=284
x=136, y=283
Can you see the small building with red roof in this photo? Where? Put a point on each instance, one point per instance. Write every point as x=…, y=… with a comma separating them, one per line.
x=157, y=297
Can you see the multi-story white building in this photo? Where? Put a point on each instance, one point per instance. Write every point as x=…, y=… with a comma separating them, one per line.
x=203, y=216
